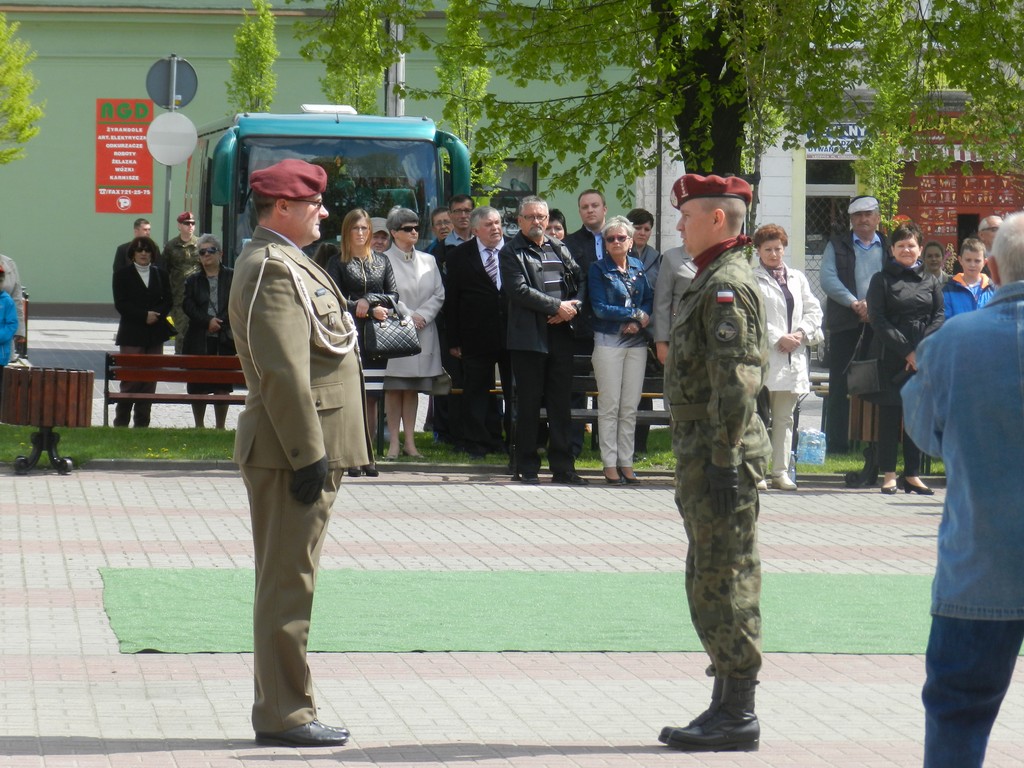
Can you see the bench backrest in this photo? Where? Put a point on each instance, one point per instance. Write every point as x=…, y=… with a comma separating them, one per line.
x=189, y=369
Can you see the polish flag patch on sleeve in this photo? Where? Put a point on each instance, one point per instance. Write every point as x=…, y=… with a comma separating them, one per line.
x=725, y=297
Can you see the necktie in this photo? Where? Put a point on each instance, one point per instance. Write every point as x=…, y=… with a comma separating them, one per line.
x=491, y=265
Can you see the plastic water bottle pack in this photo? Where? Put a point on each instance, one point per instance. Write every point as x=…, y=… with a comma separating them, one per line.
x=810, y=447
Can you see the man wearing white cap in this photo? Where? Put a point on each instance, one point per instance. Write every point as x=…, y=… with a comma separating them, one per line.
x=847, y=265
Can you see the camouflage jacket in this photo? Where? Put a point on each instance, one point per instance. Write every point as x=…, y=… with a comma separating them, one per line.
x=180, y=260
x=716, y=365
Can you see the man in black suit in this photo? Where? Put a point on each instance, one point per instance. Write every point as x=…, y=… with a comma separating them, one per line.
x=585, y=243
x=121, y=256
x=586, y=246
x=475, y=313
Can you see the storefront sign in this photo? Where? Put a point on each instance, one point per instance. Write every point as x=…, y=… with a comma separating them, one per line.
x=836, y=144
x=124, y=168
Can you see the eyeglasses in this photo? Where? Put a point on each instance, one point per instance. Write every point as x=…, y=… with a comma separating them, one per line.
x=208, y=251
x=318, y=203
x=409, y=228
x=616, y=238
x=534, y=216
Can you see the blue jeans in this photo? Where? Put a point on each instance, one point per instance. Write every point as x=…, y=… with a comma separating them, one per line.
x=969, y=665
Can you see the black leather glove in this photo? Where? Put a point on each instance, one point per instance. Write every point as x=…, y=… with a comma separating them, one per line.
x=723, y=486
x=308, y=482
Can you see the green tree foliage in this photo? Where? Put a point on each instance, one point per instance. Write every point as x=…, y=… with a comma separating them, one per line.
x=357, y=41
x=18, y=115
x=723, y=79
x=253, y=82
x=462, y=79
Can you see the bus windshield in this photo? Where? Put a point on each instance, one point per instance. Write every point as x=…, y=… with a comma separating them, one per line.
x=373, y=174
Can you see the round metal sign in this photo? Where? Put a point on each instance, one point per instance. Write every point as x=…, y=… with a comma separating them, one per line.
x=158, y=82
x=171, y=138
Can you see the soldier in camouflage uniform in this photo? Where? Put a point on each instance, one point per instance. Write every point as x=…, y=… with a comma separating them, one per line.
x=716, y=365
x=180, y=259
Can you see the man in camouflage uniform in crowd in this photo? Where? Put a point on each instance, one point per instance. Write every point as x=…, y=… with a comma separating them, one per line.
x=715, y=367
x=180, y=259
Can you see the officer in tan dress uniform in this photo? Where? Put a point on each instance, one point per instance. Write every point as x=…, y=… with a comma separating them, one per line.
x=716, y=365
x=303, y=423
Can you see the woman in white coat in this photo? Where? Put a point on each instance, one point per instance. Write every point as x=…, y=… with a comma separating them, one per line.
x=421, y=296
x=794, y=323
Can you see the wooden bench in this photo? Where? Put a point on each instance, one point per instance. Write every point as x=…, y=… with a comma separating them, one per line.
x=182, y=369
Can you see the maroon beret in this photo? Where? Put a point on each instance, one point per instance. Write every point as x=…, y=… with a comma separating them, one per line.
x=289, y=179
x=692, y=186
x=186, y=216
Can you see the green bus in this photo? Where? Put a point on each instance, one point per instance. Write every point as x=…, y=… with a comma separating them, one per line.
x=371, y=162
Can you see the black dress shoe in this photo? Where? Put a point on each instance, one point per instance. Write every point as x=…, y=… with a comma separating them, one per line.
x=527, y=479
x=569, y=478
x=370, y=470
x=354, y=472
x=924, y=490
x=889, y=490
x=313, y=734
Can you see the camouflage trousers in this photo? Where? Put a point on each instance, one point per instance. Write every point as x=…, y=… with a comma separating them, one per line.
x=723, y=569
x=180, y=325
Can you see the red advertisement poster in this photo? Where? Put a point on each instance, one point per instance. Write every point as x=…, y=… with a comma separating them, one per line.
x=124, y=167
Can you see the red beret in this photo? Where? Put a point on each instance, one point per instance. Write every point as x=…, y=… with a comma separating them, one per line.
x=186, y=216
x=289, y=179
x=692, y=186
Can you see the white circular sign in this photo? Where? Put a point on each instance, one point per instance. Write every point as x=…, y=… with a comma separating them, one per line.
x=171, y=138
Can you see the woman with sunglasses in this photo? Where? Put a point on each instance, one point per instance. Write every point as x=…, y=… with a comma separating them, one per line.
x=621, y=299
x=205, y=303
x=142, y=297
x=418, y=280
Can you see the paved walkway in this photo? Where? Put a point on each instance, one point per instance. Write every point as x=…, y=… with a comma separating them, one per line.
x=69, y=698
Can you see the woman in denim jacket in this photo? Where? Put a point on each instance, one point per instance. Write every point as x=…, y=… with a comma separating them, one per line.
x=621, y=299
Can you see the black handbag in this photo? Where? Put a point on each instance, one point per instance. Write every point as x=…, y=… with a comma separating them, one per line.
x=862, y=376
x=394, y=336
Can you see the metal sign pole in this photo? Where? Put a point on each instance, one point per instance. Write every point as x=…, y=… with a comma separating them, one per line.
x=173, y=102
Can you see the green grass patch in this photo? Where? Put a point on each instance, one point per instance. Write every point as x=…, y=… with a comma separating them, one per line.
x=89, y=443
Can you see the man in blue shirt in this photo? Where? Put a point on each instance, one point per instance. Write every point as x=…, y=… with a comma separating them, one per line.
x=978, y=593
x=847, y=265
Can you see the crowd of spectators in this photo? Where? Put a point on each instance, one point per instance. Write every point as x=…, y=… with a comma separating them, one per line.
x=623, y=294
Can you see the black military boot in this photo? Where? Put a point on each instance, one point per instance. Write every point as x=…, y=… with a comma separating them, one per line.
x=732, y=727
x=716, y=702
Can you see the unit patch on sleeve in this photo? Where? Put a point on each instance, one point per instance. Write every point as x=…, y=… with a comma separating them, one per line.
x=726, y=330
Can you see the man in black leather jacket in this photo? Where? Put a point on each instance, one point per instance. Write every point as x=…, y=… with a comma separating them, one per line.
x=541, y=282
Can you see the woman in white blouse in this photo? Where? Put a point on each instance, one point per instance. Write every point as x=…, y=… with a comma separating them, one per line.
x=794, y=323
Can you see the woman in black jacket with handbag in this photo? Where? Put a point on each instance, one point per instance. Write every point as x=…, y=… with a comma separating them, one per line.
x=209, y=330
x=142, y=296
x=368, y=284
x=904, y=306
